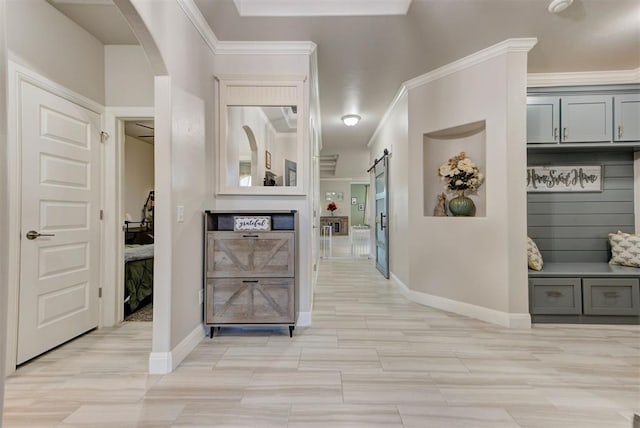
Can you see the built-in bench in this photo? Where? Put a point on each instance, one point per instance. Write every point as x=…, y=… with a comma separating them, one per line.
x=590, y=293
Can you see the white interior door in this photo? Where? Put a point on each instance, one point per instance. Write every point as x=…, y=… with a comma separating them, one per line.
x=59, y=269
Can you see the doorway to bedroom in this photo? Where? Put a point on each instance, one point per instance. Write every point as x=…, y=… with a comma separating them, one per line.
x=137, y=198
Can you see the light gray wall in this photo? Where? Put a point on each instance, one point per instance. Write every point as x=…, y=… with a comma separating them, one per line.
x=476, y=260
x=352, y=162
x=4, y=214
x=47, y=42
x=128, y=76
x=573, y=227
x=394, y=136
x=183, y=102
x=138, y=175
x=336, y=185
x=277, y=65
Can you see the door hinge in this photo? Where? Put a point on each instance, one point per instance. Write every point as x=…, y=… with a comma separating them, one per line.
x=103, y=136
x=100, y=292
x=101, y=214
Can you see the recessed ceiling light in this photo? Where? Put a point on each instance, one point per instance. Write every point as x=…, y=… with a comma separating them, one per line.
x=351, y=119
x=557, y=6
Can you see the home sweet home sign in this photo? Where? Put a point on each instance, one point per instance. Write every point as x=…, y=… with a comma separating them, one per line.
x=564, y=178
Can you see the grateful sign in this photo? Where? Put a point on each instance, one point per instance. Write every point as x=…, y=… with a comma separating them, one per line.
x=251, y=223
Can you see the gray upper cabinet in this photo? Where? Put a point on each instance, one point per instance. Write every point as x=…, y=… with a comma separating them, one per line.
x=627, y=117
x=543, y=120
x=586, y=118
x=595, y=116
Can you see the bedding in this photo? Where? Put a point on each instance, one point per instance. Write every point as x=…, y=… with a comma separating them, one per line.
x=138, y=275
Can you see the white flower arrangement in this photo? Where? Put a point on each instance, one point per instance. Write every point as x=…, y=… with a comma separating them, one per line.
x=460, y=174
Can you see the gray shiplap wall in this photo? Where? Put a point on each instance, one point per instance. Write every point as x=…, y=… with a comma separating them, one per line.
x=573, y=227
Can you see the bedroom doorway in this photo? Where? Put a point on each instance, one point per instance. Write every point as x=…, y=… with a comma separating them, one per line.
x=137, y=197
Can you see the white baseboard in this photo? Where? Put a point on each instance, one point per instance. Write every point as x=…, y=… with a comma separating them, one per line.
x=160, y=363
x=505, y=319
x=304, y=319
x=166, y=362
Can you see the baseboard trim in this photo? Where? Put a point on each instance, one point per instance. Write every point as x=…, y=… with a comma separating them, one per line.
x=504, y=319
x=166, y=362
x=160, y=363
x=304, y=319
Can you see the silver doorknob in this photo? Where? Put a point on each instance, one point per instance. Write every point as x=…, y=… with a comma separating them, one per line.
x=32, y=234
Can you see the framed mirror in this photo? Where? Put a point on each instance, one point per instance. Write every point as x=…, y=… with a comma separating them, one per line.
x=261, y=139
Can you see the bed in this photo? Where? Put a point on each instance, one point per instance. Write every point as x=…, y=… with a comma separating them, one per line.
x=138, y=276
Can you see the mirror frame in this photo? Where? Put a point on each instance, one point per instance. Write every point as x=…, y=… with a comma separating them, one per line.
x=261, y=91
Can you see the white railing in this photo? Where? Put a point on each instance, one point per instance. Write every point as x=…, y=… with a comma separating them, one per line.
x=326, y=244
x=360, y=239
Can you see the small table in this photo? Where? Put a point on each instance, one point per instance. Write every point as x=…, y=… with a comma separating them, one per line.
x=339, y=224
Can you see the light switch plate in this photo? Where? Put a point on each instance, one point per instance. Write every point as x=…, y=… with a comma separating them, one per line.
x=180, y=213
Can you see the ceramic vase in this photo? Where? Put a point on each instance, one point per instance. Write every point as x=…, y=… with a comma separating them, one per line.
x=462, y=206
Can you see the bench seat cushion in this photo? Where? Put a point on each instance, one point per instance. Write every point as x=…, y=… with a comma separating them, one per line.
x=602, y=269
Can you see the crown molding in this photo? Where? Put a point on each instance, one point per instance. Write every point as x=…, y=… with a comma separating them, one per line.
x=506, y=46
x=219, y=47
x=288, y=8
x=402, y=92
x=265, y=48
x=202, y=26
x=583, y=78
x=509, y=45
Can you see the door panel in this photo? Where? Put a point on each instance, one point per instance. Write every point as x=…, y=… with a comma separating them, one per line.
x=543, y=119
x=382, y=207
x=586, y=118
x=59, y=273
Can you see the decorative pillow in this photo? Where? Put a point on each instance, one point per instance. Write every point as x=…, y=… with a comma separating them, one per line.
x=625, y=249
x=534, y=257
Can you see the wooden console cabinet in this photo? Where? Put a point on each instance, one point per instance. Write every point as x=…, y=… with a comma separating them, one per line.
x=250, y=270
x=339, y=224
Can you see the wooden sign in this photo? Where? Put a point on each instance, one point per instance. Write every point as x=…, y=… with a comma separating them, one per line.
x=251, y=223
x=562, y=178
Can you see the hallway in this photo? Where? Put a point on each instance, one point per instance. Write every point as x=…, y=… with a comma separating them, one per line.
x=371, y=359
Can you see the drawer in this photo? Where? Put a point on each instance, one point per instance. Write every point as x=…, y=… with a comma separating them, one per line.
x=611, y=296
x=250, y=301
x=246, y=254
x=555, y=296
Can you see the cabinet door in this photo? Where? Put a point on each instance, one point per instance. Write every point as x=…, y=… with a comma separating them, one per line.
x=586, y=118
x=555, y=296
x=250, y=301
x=611, y=296
x=238, y=254
x=627, y=117
x=543, y=120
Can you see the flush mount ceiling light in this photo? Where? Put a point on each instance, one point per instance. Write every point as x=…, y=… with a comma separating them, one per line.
x=557, y=6
x=351, y=119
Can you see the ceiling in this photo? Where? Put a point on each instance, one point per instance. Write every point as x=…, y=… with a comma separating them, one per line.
x=141, y=129
x=363, y=60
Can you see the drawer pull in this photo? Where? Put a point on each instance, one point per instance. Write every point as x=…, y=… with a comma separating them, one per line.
x=250, y=236
x=554, y=294
x=611, y=294
x=250, y=281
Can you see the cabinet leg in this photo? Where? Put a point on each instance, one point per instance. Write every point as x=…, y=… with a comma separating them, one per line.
x=291, y=328
x=211, y=332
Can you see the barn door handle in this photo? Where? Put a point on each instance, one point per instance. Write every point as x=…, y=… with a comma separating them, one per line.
x=32, y=234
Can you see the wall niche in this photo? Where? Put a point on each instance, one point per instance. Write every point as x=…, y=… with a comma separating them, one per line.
x=439, y=147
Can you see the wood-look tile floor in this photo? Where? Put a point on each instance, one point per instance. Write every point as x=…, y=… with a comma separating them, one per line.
x=371, y=359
